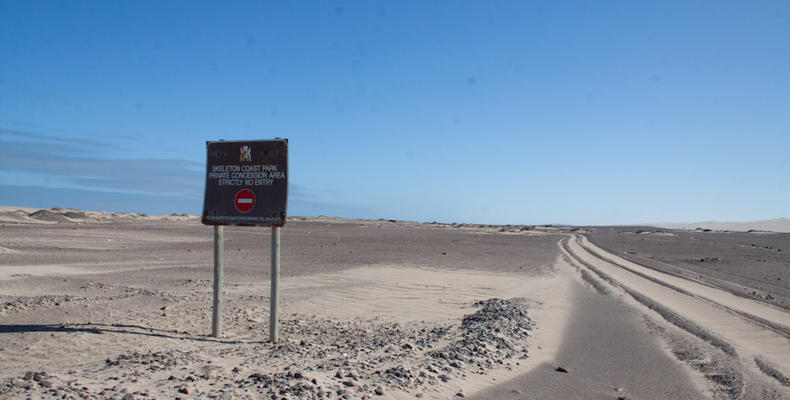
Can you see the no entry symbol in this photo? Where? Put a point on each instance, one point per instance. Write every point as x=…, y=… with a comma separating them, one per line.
x=245, y=200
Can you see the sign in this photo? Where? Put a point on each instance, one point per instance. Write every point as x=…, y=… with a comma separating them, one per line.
x=246, y=183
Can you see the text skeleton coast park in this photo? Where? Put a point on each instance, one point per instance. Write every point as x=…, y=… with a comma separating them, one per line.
x=245, y=175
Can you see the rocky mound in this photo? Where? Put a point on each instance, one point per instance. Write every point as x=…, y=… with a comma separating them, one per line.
x=50, y=216
x=76, y=214
x=491, y=335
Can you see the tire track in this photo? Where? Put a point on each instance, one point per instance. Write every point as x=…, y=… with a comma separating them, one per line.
x=774, y=319
x=751, y=330
x=666, y=313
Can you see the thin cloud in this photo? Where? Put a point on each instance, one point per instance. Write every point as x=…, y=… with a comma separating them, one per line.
x=75, y=161
x=45, y=197
x=74, y=167
x=305, y=193
x=32, y=137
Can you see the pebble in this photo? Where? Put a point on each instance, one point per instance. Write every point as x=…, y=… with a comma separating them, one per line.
x=38, y=376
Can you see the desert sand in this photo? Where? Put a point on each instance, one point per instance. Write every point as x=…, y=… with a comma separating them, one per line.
x=769, y=225
x=118, y=305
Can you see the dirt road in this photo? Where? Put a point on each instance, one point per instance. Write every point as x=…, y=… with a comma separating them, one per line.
x=756, y=332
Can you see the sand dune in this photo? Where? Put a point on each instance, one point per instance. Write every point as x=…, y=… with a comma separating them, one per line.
x=768, y=225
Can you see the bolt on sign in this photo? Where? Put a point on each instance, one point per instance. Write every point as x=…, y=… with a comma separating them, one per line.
x=246, y=183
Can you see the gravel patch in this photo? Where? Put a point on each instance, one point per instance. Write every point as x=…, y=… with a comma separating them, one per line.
x=317, y=358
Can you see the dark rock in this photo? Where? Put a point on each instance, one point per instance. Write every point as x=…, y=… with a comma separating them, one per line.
x=260, y=376
x=47, y=215
x=560, y=369
x=349, y=383
x=379, y=391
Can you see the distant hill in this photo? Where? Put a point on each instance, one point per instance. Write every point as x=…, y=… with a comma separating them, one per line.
x=773, y=225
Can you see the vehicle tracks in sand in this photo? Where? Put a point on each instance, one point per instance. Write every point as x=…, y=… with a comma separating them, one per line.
x=752, y=329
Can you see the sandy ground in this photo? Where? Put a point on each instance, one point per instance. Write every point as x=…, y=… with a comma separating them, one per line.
x=118, y=305
x=641, y=370
x=750, y=335
x=770, y=225
x=749, y=264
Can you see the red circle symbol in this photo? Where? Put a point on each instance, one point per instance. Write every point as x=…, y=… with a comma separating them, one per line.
x=245, y=200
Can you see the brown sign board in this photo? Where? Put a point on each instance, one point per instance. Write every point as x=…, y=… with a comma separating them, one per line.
x=246, y=183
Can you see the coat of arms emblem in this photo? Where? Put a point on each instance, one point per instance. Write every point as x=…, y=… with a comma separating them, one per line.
x=246, y=154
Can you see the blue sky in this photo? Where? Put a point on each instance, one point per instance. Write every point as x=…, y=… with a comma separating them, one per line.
x=506, y=112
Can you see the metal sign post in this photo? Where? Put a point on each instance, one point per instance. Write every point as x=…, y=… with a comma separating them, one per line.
x=274, y=324
x=246, y=185
x=219, y=260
